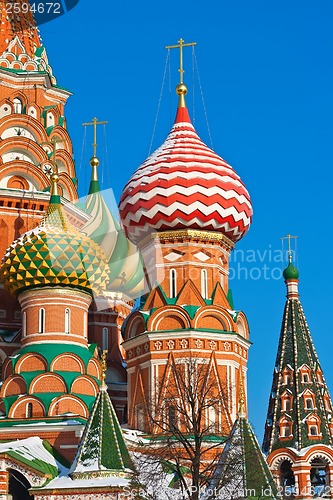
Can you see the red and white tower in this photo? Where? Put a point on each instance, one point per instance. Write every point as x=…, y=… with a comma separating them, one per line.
x=185, y=207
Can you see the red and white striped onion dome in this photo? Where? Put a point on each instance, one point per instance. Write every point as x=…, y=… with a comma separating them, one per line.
x=185, y=185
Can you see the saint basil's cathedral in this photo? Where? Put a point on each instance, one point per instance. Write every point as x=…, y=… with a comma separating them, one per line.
x=69, y=274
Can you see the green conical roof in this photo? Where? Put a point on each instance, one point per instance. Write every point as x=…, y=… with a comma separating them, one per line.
x=299, y=394
x=242, y=471
x=102, y=450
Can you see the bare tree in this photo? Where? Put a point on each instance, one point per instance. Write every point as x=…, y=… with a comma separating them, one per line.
x=189, y=424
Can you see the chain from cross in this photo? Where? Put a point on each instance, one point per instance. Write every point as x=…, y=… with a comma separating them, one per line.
x=289, y=238
x=94, y=123
x=180, y=46
x=53, y=143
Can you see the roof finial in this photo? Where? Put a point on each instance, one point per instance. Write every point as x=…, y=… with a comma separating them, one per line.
x=290, y=253
x=94, y=161
x=55, y=195
x=104, y=367
x=241, y=397
x=181, y=88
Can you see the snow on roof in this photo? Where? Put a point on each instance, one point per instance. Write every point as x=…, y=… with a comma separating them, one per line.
x=64, y=482
x=31, y=451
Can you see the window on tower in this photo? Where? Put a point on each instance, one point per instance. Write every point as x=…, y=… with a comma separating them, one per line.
x=41, y=320
x=204, y=284
x=287, y=404
x=171, y=417
x=18, y=108
x=105, y=339
x=309, y=404
x=173, y=283
x=314, y=430
x=24, y=324
x=67, y=320
x=28, y=410
x=286, y=430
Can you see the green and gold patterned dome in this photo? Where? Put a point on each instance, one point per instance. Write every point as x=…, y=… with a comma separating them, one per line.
x=54, y=254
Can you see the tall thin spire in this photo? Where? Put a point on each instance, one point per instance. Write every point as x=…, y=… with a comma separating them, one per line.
x=300, y=407
x=94, y=161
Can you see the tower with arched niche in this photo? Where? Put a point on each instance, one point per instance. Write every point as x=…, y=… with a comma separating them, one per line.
x=299, y=428
x=185, y=208
x=32, y=117
x=54, y=271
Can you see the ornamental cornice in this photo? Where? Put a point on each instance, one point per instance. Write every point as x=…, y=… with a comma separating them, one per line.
x=152, y=344
x=193, y=234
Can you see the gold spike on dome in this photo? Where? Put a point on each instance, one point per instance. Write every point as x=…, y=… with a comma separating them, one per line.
x=104, y=367
x=181, y=89
x=241, y=397
x=94, y=161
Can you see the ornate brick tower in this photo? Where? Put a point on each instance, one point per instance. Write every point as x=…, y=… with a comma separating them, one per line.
x=185, y=207
x=32, y=125
x=299, y=428
x=53, y=270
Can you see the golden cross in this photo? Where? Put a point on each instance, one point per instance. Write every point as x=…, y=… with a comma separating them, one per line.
x=180, y=46
x=53, y=143
x=289, y=238
x=94, y=123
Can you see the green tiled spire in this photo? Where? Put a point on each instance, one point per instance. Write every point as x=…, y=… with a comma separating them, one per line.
x=242, y=471
x=300, y=406
x=102, y=451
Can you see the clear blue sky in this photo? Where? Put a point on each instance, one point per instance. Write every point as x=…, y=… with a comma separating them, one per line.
x=266, y=74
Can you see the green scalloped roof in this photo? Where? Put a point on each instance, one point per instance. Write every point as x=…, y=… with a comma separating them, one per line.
x=47, y=397
x=52, y=350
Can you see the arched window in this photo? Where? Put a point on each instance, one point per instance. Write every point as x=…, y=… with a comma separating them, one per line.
x=204, y=284
x=172, y=417
x=17, y=105
x=85, y=325
x=41, y=320
x=313, y=430
x=286, y=430
x=287, y=479
x=309, y=404
x=319, y=477
x=287, y=404
x=24, y=324
x=105, y=339
x=212, y=414
x=305, y=378
x=67, y=320
x=173, y=283
x=28, y=410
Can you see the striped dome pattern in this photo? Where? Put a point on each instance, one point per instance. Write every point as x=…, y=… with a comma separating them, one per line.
x=126, y=273
x=185, y=185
